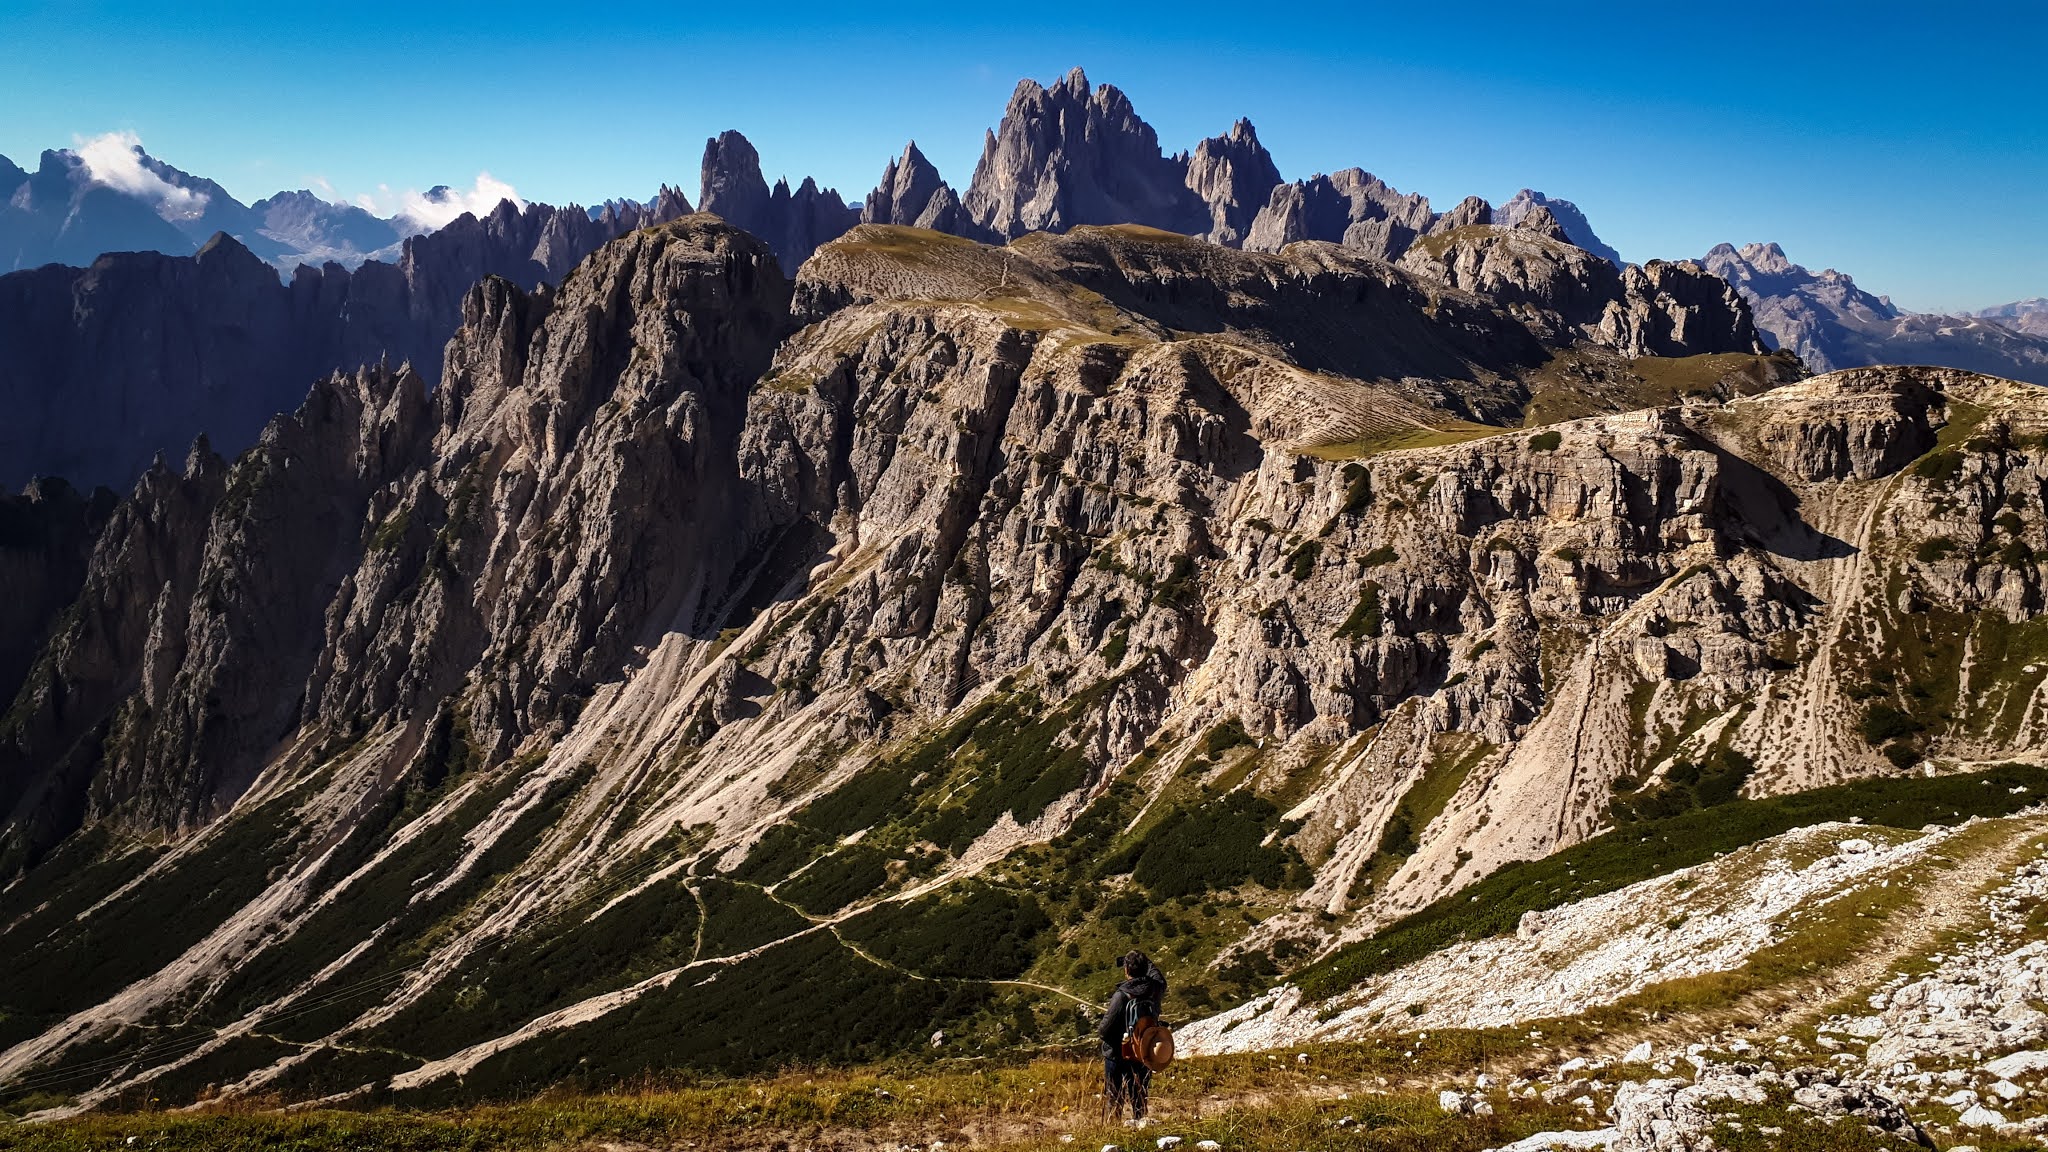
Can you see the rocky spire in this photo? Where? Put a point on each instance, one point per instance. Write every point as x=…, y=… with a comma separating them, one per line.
x=670, y=204
x=1064, y=156
x=912, y=193
x=1471, y=210
x=1577, y=230
x=1235, y=176
x=793, y=223
x=732, y=186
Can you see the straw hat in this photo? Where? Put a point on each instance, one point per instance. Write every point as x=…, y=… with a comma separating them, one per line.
x=1155, y=1046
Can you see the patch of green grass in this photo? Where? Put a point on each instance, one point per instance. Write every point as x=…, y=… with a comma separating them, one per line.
x=1395, y=438
x=1546, y=441
x=1246, y=1102
x=1493, y=906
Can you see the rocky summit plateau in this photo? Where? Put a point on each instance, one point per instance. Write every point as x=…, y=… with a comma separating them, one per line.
x=747, y=673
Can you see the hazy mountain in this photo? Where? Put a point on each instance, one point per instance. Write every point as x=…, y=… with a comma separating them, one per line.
x=2028, y=316
x=1832, y=323
x=113, y=197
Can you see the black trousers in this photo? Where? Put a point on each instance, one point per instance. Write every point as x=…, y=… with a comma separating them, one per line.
x=1124, y=1082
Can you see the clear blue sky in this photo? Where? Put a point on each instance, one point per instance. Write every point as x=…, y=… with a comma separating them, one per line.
x=1902, y=143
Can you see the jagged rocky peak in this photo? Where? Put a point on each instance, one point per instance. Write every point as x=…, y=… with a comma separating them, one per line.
x=731, y=183
x=1470, y=211
x=1350, y=207
x=1234, y=175
x=1565, y=293
x=912, y=193
x=793, y=223
x=1768, y=271
x=1065, y=156
x=671, y=204
x=1577, y=229
x=1540, y=221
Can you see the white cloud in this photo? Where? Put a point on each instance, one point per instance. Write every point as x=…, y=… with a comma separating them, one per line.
x=434, y=208
x=115, y=160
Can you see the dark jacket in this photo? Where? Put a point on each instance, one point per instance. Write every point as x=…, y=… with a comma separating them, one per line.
x=1151, y=986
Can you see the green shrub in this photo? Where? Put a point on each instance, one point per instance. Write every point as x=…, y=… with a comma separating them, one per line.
x=837, y=880
x=1688, y=785
x=1934, y=549
x=1378, y=556
x=1210, y=847
x=1546, y=441
x=1365, y=621
x=1119, y=644
x=391, y=533
x=1225, y=736
x=1902, y=755
x=1178, y=589
x=1884, y=721
x=979, y=932
x=1301, y=563
x=1357, y=489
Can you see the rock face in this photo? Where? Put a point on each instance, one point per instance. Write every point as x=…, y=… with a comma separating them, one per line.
x=1234, y=175
x=1831, y=323
x=793, y=223
x=1577, y=229
x=1065, y=156
x=695, y=593
x=108, y=365
x=46, y=535
x=1352, y=208
x=1562, y=290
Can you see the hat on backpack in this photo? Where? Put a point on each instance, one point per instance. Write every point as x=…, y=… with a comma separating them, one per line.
x=1154, y=1043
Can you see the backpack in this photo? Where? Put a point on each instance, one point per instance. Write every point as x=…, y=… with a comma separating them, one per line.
x=1147, y=1039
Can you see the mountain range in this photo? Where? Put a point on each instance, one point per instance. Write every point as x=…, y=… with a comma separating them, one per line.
x=111, y=196
x=887, y=617
x=94, y=402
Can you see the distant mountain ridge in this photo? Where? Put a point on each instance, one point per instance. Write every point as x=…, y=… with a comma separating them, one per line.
x=66, y=212
x=1833, y=324
x=2029, y=316
x=1062, y=156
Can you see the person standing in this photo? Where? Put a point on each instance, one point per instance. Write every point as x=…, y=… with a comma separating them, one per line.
x=1125, y=1078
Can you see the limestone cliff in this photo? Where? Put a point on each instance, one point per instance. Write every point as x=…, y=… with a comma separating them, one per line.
x=706, y=633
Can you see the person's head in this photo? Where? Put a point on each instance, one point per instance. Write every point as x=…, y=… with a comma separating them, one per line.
x=1136, y=964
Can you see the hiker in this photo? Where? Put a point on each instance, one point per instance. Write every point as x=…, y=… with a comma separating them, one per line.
x=1125, y=1078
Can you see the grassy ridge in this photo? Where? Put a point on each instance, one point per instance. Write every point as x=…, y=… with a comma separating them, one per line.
x=1639, y=851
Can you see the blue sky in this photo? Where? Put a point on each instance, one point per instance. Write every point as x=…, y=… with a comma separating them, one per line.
x=1902, y=143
